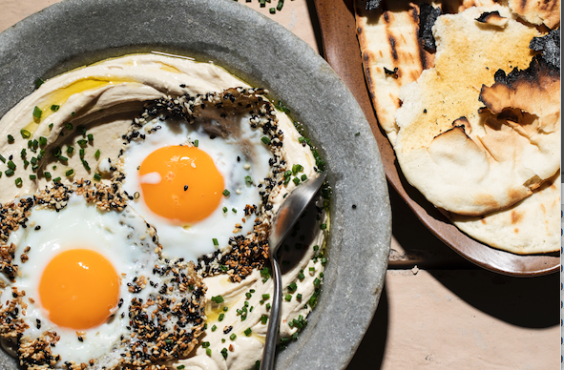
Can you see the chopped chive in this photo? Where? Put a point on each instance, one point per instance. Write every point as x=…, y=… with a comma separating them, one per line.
x=82, y=142
x=9, y=172
x=224, y=209
x=316, y=248
x=10, y=139
x=296, y=180
x=69, y=126
x=224, y=353
x=317, y=282
x=264, y=319
x=357, y=134
x=2, y=158
x=196, y=142
x=226, y=192
x=42, y=140
x=50, y=126
x=205, y=344
x=288, y=297
x=217, y=299
x=214, y=328
x=19, y=182
x=233, y=336
x=272, y=10
x=70, y=150
x=248, y=332
x=55, y=107
x=248, y=180
x=97, y=177
x=62, y=158
x=268, y=306
x=25, y=134
x=324, y=261
x=299, y=296
x=97, y=154
x=297, y=168
x=180, y=367
x=221, y=317
x=47, y=175
x=304, y=177
x=208, y=352
x=69, y=172
x=85, y=164
x=312, y=269
x=292, y=287
x=56, y=152
x=215, y=242
x=280, y=5
x=11, y=165
x=83, y=130
x=32, y=177
x=301, y=275
x=265, y=140
x=90, y=137
x=323, y=226
x=57, y=179
x=37, y=112
x=38, y=83
x=81, y=152
x=234, y=210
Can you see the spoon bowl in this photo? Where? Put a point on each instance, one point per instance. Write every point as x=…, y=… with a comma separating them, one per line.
x=284, y=220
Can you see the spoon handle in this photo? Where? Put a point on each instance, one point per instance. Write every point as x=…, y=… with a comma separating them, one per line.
x=269, y=353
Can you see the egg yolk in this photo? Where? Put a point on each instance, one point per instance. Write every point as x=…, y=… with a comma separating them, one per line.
x=79, y=288
x=181, y=183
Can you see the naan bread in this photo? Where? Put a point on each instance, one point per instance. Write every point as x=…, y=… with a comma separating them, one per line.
x=391, y=52
x=441, y=145
x=530, y=226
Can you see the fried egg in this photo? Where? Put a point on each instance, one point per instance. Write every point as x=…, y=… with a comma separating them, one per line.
x=192, y=186
x=81, y=271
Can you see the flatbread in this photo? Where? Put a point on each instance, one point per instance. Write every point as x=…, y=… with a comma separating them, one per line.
x=530, y=226
x=447, y=161
x=538, y=11
x=388, y=38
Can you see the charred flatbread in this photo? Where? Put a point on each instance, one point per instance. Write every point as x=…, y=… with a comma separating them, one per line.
x=452, y=163
x=509, y=106
x=396, y=36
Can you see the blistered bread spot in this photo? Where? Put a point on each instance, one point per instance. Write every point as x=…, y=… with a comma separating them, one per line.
x=516, y=217
x=492, y=19
x=538, y=11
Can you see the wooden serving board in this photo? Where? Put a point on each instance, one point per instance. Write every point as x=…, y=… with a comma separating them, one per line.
x=342, y=52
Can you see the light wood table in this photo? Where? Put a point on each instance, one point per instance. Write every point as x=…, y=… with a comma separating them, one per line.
x=437, y=311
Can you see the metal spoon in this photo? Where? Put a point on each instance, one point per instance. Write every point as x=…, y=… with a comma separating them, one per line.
x=285, y=219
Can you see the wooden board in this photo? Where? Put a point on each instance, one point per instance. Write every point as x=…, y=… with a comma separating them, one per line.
x=342, y=52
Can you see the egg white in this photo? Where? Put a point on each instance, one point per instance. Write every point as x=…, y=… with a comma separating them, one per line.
x=121, y=237
x=234, y=163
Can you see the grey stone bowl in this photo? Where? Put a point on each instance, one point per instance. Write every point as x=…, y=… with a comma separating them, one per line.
x=76, y=32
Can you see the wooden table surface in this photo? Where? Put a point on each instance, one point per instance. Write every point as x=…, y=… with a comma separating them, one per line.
x=437, y=310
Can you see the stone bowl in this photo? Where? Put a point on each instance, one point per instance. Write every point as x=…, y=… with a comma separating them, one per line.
x=263, y=53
